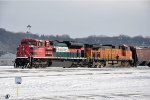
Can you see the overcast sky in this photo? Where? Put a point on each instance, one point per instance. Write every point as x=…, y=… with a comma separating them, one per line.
x=77, y=18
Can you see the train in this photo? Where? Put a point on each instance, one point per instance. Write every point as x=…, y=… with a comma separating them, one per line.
x=34, y=53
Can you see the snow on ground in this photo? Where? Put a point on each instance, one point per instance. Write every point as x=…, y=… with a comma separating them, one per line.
x=76, y=83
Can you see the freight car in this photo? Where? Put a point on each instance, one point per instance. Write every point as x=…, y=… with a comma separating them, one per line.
x=32, y=53
x=143, y=56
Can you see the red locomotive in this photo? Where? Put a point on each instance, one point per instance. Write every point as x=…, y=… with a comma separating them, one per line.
x=32, y=53
x=40, y=53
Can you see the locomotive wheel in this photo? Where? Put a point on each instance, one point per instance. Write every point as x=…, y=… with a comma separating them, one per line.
x=43, y=66
x=15, y=65
x=90, y=65
x=125, y=64
x=103, y=64
x=25, y=66
x=96, y=65
x=72, y=65
x=99, y=65
x=30, y=67
x=36, y=66
x=49, y=64
x=148, y=64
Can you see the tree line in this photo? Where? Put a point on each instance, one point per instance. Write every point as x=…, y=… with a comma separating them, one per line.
x=10, y=40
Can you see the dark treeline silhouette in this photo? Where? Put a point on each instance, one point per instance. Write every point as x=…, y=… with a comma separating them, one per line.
x=10, y=40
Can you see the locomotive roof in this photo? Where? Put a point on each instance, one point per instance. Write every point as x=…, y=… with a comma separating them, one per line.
x=143, y=47
x=73, y=44
x=29, y=39
x=57, y=43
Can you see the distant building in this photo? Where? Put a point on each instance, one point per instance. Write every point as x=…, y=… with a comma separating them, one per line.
x=7, y=59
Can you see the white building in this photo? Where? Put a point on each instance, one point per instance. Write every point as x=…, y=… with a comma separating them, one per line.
x=7, y=59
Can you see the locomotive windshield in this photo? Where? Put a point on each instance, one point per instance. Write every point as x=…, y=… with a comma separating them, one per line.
x=28, y=42
x=23, y=42
x=32, y=43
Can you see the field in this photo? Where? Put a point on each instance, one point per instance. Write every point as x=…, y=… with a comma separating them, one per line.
x=76, y=83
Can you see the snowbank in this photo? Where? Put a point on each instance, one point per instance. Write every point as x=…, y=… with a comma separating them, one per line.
x=77, y=83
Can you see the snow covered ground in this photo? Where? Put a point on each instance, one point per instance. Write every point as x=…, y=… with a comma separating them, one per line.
x=76, y=83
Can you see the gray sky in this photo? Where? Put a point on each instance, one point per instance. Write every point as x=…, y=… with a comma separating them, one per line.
x=77, y=18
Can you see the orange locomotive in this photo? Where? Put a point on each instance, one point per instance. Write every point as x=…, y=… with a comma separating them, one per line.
x=109, y=55
x=33, y=53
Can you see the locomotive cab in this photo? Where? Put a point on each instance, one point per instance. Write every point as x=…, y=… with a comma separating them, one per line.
x=25, y=52
x=34, y=53
x=26, y=48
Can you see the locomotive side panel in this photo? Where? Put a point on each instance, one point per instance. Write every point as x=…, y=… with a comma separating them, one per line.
x=65, y=50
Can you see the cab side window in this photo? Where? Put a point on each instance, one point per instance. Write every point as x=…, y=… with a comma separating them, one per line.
x=41, y=44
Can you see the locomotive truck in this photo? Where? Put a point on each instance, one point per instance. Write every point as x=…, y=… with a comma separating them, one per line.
x=33, y=53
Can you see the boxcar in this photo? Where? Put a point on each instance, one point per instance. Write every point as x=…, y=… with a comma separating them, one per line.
x=143, y=56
